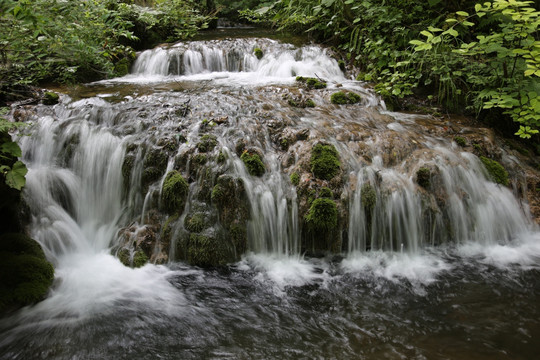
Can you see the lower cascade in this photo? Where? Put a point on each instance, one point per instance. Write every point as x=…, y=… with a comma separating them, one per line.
x=292, y=184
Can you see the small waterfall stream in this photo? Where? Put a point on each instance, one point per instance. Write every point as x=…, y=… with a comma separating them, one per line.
x=98, y=162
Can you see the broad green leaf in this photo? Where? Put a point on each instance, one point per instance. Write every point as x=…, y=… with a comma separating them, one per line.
x=11, y=149
x=15, y=177
x=462, y=13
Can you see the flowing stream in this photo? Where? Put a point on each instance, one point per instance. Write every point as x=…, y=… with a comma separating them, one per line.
x=449, y=272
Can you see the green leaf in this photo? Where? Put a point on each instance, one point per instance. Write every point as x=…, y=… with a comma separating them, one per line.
x=11, y=149
x=462, y=13
x=15, y=177
x=452, y=32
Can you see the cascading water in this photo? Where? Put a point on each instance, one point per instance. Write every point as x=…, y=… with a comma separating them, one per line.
x=412, y=208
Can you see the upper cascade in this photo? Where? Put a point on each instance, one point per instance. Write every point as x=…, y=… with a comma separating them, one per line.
x=262, y=57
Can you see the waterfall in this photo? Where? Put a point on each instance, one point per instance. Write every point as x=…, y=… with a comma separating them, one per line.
x=97, y=165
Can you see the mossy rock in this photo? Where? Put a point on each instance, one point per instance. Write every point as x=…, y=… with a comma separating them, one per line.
x=368, y=197
x=25, y=273
x=139, y=259
x=423, y=177
x=156, y=158
x=342, y=65
x=496, y=171
x=324, y=161
x=174, y=192
x=258, y=53
x=121, y=68
x=124, y=256
x=342, y=98
x=253, y=163
x=322, y=215
x=50, y=98
x=221, y=157
x=208, y=250
x=195, y=223
x=295, y=178
x=311, y=83
x=20, y=244
x=208, y=143
x=310, y=103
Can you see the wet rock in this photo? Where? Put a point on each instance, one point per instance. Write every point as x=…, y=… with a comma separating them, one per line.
x=50, y=98
x=253, y=163
x=496, y=171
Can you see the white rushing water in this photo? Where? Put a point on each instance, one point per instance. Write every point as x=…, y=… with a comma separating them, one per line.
x=79, y=203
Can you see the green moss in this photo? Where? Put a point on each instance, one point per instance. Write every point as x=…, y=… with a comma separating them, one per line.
x=322, y=215
x=174, y=192
x=353, y=98
x=20, y=244
x=207, y=143
x=342, y=98
x=295, y=179
x=460, y=141
x=339, y=98
x=221, y=157
x=156, y=158
x=368, y=197
x=139, y=259
x=312, y=83
x=25, y=274
x=342, y=65
x=310, y=103
x=124, y=256
x=253, y=163
x=326, y=193
x=496, y=171
x=218, y=194
x=50, y=98
x=423, y=177
x=258, y=53
x=166, y=229
x=238, y=235
x=292, y=102
x=207, y=251
x=195, y=222
x=324, y=161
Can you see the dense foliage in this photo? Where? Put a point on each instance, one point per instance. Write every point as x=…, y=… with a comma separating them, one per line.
x=62, y=41
x=465, y=55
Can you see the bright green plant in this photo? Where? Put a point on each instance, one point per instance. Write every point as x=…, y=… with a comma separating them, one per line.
x=501, y=67
x=13, y=170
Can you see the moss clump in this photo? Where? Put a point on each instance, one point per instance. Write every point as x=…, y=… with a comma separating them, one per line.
x=310, y=103
x=342, y=65
x=368, y=197
x=156, y=158
x=25, y=273
x=253, y=163
x=326, y=193
x=353, y=98
x=124, y=256
x=311, y=83
x=324, y=161
x=322, y=215
x=258, y=53
x=207, y=143
x=50, y=98
x=174, y=192
x=139, y=259
x=195, y=222
x=423, y=177
x=496, y=171
x=460, y=141
x=342, y=98
x=221, y=157
x=295, y=179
